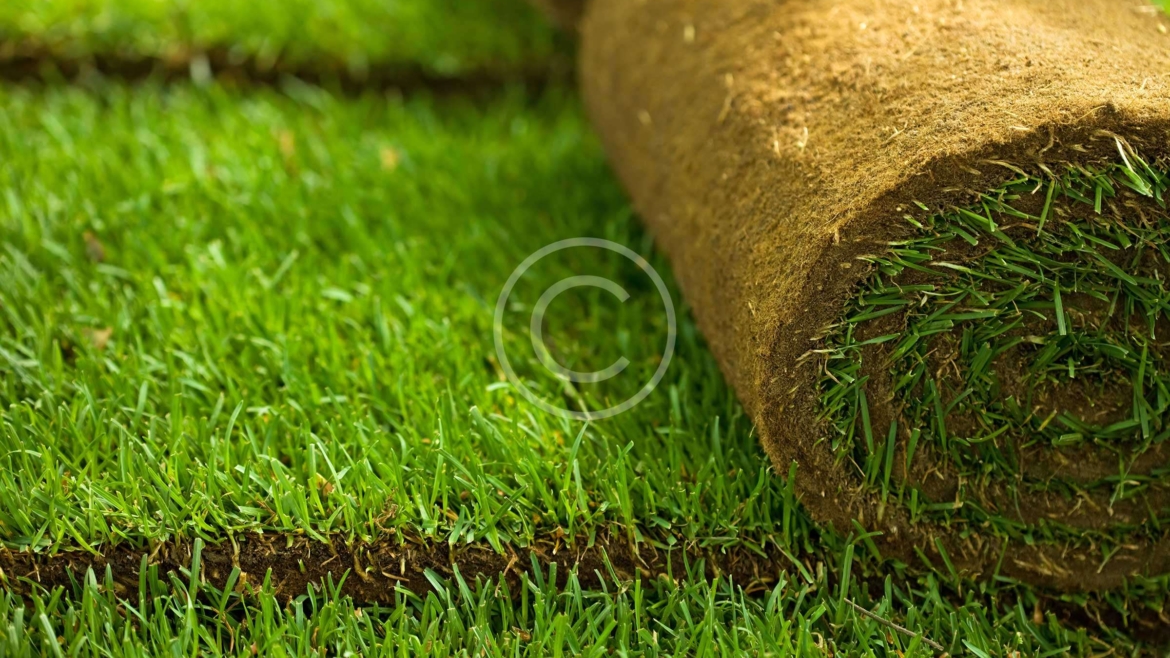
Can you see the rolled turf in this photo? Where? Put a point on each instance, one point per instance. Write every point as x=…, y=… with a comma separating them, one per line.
x=927, y=242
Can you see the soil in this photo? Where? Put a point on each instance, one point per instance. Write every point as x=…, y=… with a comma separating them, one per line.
x=371, y=572
x=32, y=62
x=769, y=144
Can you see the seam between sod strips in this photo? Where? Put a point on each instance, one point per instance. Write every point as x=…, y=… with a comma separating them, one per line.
x=402, y=568
x=28, y=64
x=372, y=571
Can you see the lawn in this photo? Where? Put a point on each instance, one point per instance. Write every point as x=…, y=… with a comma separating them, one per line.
x=293, y=296
x=436, y=37
x=269, y=309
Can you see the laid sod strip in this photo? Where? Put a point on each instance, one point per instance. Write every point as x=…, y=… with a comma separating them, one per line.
x=224, y=312
x=775, y=153
x=352, y=39
x=653, y=619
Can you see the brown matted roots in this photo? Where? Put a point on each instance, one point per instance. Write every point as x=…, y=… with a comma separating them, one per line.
x=799, y=160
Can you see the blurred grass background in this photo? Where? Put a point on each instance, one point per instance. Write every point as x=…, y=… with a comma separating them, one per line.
x=439, y=37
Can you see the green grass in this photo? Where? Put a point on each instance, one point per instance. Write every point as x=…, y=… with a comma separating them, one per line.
x=178, y=614
x=224, y=312
x=1033, y=320
x=442, y=37
x=298, y=296
x=289, y=328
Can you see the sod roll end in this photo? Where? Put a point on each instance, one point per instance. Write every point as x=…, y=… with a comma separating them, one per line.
x=924, y=240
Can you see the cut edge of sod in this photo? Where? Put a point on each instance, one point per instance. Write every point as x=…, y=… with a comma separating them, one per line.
x=977, y=386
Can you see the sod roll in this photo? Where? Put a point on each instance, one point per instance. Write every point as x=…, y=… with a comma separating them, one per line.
x=927, y=241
